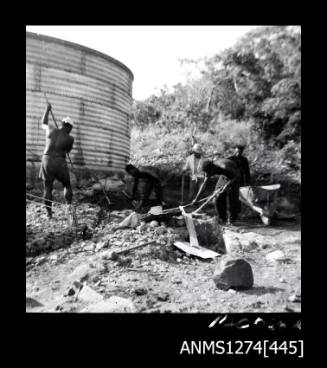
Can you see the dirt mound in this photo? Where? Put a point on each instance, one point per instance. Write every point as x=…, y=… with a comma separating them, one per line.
x=44, y=235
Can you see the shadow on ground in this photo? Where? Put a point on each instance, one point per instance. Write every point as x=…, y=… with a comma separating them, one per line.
x=261, y=290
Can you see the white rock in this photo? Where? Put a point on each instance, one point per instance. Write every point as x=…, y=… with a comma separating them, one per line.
x=88, y=295
x=89, y=247
x=154, y=223
x=40, y=261
x=114, y=304
x=294, y=298
x=80, y=273
x=53, y=257
x=275, y=256
x=232, y=242
x=101, y=245
x=97, y=187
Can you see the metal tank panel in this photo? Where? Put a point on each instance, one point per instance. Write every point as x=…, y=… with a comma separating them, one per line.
x=94, y=89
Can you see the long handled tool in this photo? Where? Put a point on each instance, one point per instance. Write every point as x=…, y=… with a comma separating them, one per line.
x=135, y=247
x=103, y=190
x=73, y=213
x=55, y=121
x=214, y=194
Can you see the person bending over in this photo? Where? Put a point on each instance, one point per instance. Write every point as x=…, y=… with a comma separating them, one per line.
x=152, y=184
x=226, y=203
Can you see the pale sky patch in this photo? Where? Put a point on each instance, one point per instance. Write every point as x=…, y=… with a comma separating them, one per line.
x=151, y=52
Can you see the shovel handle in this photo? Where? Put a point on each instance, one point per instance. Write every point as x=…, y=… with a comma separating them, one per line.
x=182, y=199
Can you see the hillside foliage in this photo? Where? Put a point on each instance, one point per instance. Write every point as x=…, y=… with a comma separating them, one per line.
x=249, y=94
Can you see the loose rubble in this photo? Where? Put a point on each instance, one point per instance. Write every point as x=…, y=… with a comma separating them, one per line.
x=114, y=304
x=99, y=271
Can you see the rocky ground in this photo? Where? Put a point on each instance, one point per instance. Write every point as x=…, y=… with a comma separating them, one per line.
x=84, y=272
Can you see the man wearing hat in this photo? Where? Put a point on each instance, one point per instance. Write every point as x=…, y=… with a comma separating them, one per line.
x=193, y=165
x=243, y=164
x=59, y=142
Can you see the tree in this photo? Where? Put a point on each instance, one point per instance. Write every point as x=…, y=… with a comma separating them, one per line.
x=258, y=79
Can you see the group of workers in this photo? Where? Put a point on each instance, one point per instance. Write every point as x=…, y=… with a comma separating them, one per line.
x=232, y=172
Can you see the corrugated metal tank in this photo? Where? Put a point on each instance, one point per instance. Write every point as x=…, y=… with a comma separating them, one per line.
x=92, y=88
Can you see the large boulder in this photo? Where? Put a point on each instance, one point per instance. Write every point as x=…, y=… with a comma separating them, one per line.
x=114, y=304
x=233, y=273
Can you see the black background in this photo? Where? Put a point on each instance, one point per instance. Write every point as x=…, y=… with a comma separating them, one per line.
x=139, y=338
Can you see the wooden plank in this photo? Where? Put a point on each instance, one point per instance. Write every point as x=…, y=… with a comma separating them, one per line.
x=191, y=229
x=197, y=251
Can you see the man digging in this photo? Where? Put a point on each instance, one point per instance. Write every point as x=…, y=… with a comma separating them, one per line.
x=227, y=202
x=59, y=142
x=151, y=184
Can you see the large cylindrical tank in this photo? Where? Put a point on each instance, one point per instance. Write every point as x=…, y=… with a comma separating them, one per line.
x=92, y=88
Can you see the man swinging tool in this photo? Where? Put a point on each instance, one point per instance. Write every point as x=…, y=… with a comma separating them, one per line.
x=59, y=142
x=226, y=202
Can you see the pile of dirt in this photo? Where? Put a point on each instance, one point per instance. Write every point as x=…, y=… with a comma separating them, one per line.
x=155, y=276
x=85, y=277
x=44, y=235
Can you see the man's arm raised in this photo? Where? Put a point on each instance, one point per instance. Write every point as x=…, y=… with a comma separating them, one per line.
x=45, y=119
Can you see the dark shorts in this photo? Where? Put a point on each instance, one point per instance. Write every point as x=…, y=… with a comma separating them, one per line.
x=54, y=168
x=228, y=202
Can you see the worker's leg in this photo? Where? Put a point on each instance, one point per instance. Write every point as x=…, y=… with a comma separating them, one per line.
x=158, y=192
x=68, y=193
x=221, y=199
x=229, y=207
x=193, y=189
x=233, y=202
x=62, y=175
x=237, y=199
x=48, y=186
x=221, y=207
x=145, y=195
x=47, y=176
x=70, y=211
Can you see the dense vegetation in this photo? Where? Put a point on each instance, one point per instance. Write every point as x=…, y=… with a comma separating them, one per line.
x=249, y=93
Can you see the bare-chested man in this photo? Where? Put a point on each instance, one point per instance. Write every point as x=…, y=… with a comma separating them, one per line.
x=54, y=165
